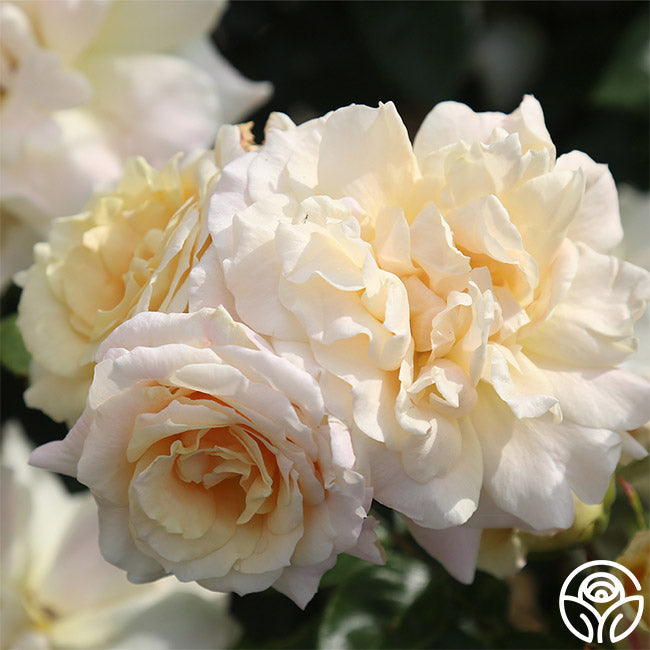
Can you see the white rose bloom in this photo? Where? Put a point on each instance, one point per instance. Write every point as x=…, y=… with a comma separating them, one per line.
x=458, y=301
x=57, y=590
x=131, y=250
x=212, y=458
x=86, y=85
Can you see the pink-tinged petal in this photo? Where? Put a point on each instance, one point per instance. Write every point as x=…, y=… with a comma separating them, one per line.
x=104, y=466
x=368, y=547
x=301, y=583
x=207, y=285
x=455, y=548
x=291, y=381
x=63, y=456
x=241, y=583
x=124, y=371
x=195, y=331
x=118, y=547
x=597, y=222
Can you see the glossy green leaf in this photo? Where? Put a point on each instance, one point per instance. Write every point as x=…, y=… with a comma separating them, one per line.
x=369, y=604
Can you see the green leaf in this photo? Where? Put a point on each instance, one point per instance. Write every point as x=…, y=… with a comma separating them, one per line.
x=370, y=603
x=12, y=349
x=624, y=84
x=345, y=566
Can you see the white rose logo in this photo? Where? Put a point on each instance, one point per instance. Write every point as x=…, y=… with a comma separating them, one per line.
x=600, y=600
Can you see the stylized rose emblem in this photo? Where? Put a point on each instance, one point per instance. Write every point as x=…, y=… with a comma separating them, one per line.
x=601, y=601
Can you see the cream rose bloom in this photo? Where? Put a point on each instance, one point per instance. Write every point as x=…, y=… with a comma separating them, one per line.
x=458, y=301
x=57, y=590
x=86, y=85
x=131, y=250
x=213, y=459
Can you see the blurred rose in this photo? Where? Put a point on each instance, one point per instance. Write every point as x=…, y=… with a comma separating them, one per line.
x=57, y=590
x=132, y=250
x=636, y=557
x=86, y=85
x=213, y=459
x=459, y=301
x=635, y=248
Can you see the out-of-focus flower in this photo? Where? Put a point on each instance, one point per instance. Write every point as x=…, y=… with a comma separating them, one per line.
x=636, y=558
x=212, y=458
x=458, y=300
x=635, y=248
x=57, y=590
x=131, y=250
x=86, y=85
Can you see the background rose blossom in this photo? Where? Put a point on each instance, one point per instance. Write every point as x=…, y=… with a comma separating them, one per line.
x=213, y=459
x=87, y=85
x=57, y=590
x=131, y=250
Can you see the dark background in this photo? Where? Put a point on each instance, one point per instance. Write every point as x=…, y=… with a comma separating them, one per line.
x=582, y=60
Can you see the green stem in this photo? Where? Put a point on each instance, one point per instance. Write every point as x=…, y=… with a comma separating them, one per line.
x=634, y=501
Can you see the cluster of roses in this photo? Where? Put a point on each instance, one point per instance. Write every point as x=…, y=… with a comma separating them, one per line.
x=255, y=341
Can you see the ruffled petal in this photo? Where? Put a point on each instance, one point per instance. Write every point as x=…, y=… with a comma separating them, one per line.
x=379, y=165
x=597, y=222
